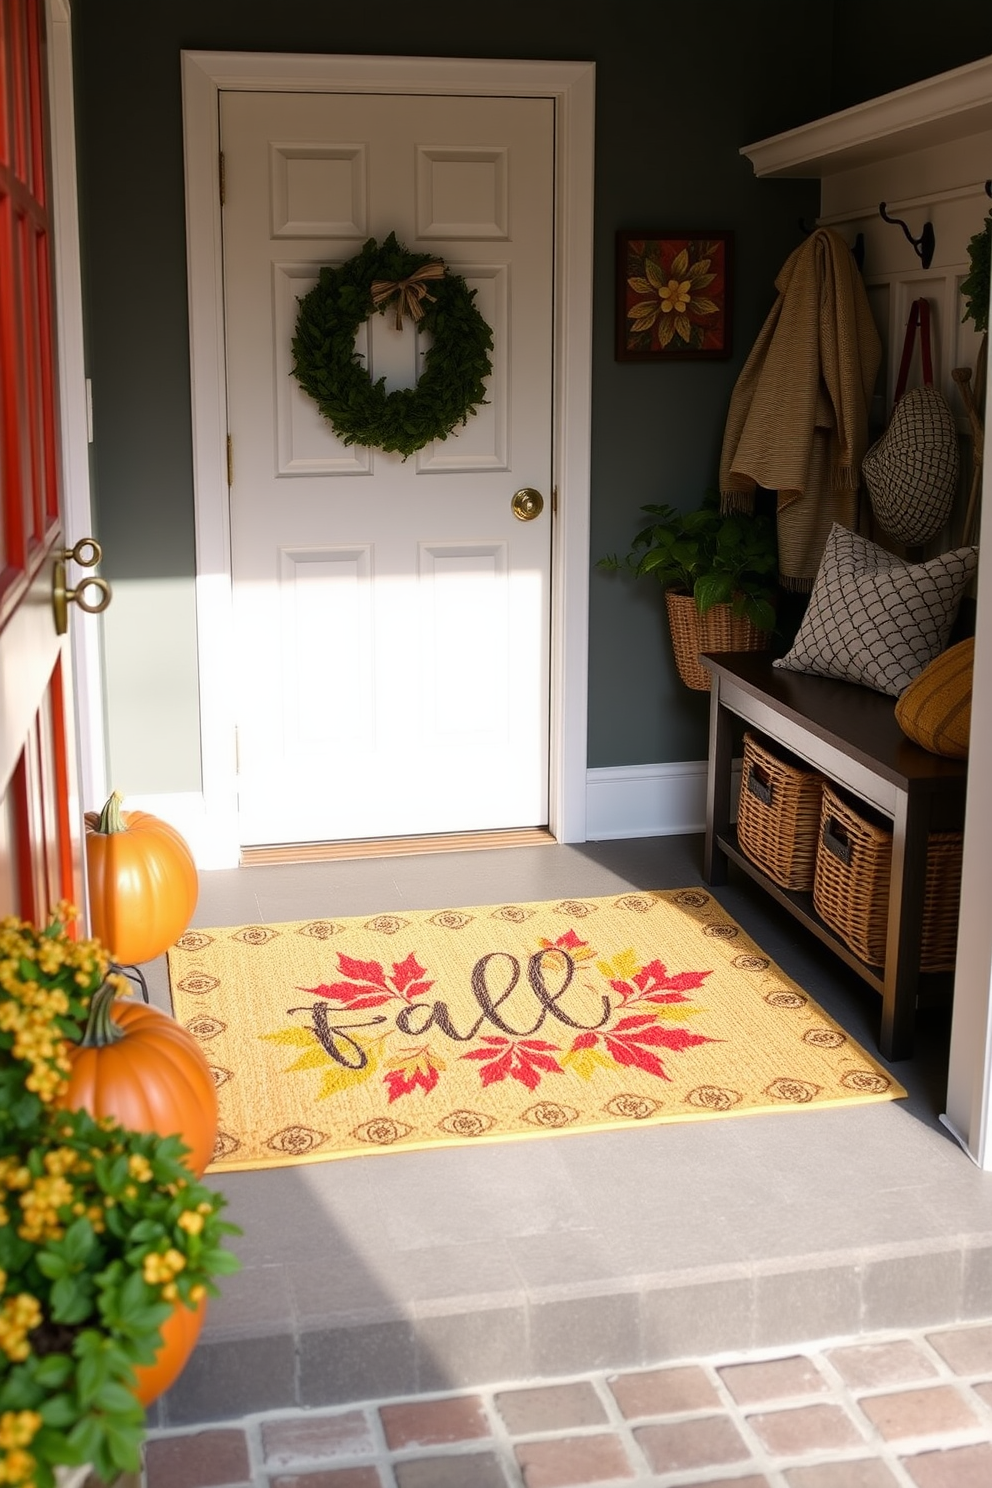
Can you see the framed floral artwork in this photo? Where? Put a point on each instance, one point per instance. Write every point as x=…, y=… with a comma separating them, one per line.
x=673, y=296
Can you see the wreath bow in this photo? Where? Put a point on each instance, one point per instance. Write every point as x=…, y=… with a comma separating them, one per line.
x=409, y=292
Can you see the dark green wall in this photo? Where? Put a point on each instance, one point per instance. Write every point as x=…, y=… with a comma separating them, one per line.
x=881, y=45
x=678, y=93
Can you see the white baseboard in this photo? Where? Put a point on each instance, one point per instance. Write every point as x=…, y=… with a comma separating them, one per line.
x=621, y=801
x=645, y=800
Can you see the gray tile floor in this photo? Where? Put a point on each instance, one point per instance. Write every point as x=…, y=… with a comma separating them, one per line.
x=401, y=1273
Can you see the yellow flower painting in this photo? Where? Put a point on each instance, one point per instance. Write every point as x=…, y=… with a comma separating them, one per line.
x=674, y=296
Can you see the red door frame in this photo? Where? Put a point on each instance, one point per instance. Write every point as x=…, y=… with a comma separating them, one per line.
x=39, y=860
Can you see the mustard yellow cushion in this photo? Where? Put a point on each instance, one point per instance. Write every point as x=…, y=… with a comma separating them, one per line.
x=935, y=709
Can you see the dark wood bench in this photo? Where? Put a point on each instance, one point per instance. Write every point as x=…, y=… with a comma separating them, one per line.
x=850, y=734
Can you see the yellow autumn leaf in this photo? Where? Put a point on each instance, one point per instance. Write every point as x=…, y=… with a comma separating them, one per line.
x=302, y=1037
x=312, y=1059
x=655, y=275
x=340, y=1078
x=700, y=281
x=683, y=326
x=680, y=264
x=698, y=270
x=621, y=967
x=703, y=306
x=666, y=330
x=410, y=1062
x=643, y=307
x=640, y=286
x=585, y=1062
x=674, y=1012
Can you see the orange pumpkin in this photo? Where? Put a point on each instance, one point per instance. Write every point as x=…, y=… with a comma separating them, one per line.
x=143, y=883
x=180, y=1332
x=140, y=1066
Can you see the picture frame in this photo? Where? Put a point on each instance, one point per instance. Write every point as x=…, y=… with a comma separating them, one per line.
x=674, y=300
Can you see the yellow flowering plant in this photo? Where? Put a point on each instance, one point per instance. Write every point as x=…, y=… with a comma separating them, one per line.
x=103, y=1231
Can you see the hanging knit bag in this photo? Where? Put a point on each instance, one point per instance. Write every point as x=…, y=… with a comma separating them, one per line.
x=912, y=472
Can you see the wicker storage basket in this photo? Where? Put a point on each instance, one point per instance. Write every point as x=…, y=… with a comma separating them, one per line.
x=778, y=815
x=851, y=884
x=718, y=630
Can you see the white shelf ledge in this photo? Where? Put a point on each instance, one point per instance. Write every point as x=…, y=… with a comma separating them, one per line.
x=950, y=106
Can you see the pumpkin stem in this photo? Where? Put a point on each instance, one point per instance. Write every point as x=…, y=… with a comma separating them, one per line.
x=101, y=1028
x=110, y=817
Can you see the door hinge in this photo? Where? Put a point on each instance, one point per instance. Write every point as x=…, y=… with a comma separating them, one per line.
x=554, y=501
x=223, y=180
x=230, y=461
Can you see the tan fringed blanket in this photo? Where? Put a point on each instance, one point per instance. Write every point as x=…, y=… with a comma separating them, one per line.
x=798, y=417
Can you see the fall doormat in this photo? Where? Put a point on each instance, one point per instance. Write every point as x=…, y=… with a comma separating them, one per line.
x=329, y=1038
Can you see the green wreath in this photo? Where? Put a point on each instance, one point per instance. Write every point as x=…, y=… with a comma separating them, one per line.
x=327, y=367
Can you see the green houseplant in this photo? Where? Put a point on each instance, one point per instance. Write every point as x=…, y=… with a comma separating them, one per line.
x=105, y=1234
x=718, y=573
x=975, y=287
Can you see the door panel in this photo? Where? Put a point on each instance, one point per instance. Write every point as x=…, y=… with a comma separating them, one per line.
x=39, y=831
x=392, y=617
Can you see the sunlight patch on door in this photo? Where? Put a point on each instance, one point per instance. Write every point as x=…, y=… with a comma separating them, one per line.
x=464, y=608
x=326, y=614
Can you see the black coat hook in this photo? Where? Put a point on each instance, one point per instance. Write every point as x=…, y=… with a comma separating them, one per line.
x=924, y=244
x=857, y=247
x=988, y=188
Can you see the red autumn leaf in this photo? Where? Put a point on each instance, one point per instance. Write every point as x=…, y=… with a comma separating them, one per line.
x=361, y=971
x=354, y=997
x=404, y=978
x=497, y=1069
x=631, y=1040
x=654, y=978
x=630, y=1043
x=403, y=1082
x=653, y=984
x=522, y=1060
x=369, y=986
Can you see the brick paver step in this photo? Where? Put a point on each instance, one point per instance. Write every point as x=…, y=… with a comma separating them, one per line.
x=912, y=1410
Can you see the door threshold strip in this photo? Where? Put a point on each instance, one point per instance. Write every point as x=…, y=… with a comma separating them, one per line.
x=391, y=847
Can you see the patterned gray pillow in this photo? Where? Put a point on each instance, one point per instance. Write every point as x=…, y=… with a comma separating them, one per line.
x=873, y=618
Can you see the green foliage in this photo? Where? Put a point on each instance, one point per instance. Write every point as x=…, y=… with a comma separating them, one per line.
x=975, y=288
x=717, y=558
x=327, y=367
x=103, y=1230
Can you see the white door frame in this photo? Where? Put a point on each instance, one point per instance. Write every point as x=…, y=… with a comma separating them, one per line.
x=571, y=86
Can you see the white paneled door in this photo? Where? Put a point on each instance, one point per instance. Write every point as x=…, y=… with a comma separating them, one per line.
x=391, y=616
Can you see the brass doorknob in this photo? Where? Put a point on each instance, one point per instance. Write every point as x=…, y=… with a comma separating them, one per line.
x=526, y=504
x=87, y=553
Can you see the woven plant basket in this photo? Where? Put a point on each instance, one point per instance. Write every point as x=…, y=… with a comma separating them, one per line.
x=718, y=630
x=778, y=815
x=851, y=885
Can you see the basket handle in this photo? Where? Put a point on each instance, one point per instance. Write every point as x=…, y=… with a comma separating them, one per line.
x=834, y=842
x=758, y=787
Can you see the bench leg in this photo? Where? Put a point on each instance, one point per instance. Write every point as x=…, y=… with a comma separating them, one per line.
x=718, y=779
x=904, y=938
